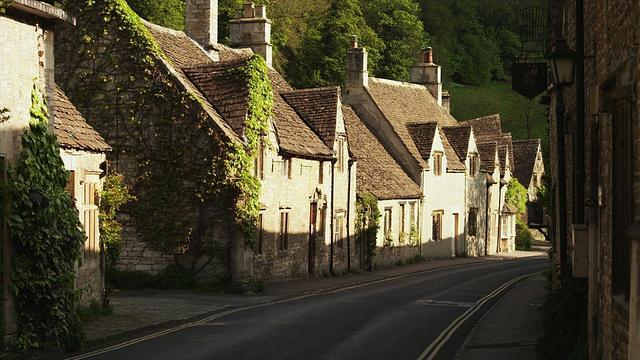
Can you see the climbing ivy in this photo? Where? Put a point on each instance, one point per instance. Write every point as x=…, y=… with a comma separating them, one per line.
x=4, y=4
x=367, y=224
x=46, y=233
x=255, y=74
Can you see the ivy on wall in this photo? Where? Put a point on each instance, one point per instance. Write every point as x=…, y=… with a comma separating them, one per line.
x=367, y=225
x=4, y=4
x=45, y=230
x=188, y=178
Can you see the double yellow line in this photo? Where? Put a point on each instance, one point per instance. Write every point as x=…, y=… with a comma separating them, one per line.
x=433, y=349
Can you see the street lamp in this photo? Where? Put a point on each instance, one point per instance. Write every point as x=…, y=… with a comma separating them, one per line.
x=563, y=63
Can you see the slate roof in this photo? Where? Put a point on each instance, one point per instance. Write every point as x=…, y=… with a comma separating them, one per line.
x=404, y=103
x=318, y=108
x=423, y=135
x=509, y=209
x=181, y=51
x=459, y=138
x=489, y=128
x=525, y=153
x=71, y=129
x=486, y=125
x=230, y=96
x=487, y=152
x=378, y=173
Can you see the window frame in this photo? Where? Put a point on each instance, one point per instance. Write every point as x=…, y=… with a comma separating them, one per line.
x=437, y=163
x=436, y=225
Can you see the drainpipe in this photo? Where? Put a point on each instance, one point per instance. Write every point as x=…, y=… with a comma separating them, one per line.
x=333, y=186
x=486, y=220
x=349, y=216
x=562, y=181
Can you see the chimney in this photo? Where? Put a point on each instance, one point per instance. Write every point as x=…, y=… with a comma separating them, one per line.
x=428, y=74
x=201, y=21
x=446, y=101
x=357, y=75
x=250, y=28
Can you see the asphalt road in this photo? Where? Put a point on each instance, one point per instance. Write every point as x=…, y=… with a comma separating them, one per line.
x=420, y=316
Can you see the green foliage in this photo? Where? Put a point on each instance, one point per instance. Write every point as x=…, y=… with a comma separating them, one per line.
x=168, y=13
x=367, y=225
x=397, y=25
x=524, y=238
x=129, y=279
x=322, y=60
x=4, y=114
x=517, y=196
x=564, y=318
x=255, y=74
x=46, y=232
x=4, y=4
x=114, y=195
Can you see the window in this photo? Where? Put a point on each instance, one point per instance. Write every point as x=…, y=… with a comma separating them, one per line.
x=321, y=221
x=340, y=155
x=260, y=234
x=259, y=161
x=321, y=173
x=283, y=235
x=339, y=230
x=437, y=164
x=412, y=213
x=622, y=197
x=505, y=226
x=473, y=164
x=437, y=225
x=387, y=221
x=403, y=228
x=285, y=169
x=473, y=222
x=91, y=248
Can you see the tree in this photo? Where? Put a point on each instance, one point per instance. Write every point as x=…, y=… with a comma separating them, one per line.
x=323, y=59
x=396, y=23
x=168, y=13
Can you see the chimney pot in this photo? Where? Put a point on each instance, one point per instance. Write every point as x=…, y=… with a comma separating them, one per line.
x=354, y=41
x=261, y=11
x=249, y=10
x=430, y=55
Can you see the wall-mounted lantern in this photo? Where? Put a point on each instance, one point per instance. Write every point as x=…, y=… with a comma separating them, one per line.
x=563, y=63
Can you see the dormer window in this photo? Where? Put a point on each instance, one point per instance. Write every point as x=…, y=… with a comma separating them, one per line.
x=437, y=163
x=285, y=170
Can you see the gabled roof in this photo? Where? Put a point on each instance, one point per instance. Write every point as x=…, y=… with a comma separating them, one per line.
x=296, y=137
x=423, y=135
x=487, y=152
x=459, y=137
x=230, y=97
x=378, y=173
x=525, y=153
x=486, y=125
x=509, y=209
x=318, y=108
x=71, y=129
x=404, y=103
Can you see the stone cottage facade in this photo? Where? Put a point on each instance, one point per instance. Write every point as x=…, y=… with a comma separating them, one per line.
x=83, y=150
x=595, y=164
x=529, y=170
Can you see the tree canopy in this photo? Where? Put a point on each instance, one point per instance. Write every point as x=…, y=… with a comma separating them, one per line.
x=474, y=40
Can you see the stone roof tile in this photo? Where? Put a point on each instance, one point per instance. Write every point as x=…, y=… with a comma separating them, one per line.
x=318, y=108
x=525, y=153
x=423, y=135
x=71, y=129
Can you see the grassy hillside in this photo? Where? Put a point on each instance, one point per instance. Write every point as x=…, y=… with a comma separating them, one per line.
x=468, y=102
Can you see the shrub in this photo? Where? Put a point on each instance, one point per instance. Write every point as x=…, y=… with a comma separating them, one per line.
x=174, y=277
x=524, y=238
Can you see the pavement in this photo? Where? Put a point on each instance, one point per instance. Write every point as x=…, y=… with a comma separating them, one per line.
x=508, y=330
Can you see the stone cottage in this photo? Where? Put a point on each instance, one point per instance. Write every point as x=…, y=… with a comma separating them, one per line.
x=399, y=198
x=595, y=164
x=409, y=120
x=27, y=53
x=488, y=130
x=529, y=170
x=83, y=152
x=307, y=181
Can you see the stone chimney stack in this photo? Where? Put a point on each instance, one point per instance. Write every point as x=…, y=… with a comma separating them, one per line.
x=201, y=21
x=446, y=101
x=357, y=75
x=250, y=28
x=428, y=74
